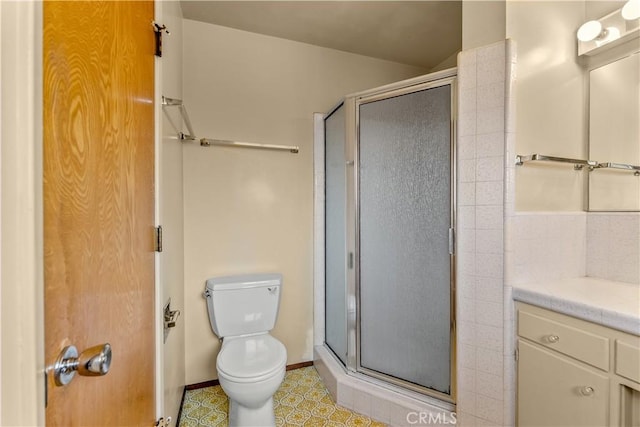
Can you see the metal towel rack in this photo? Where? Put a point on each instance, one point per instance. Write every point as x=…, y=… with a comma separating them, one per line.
x=171, y=102
x=206, y=142
x=578, y=164
x=620, y=166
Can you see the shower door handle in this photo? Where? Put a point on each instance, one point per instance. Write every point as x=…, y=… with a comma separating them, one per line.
x=452, y=241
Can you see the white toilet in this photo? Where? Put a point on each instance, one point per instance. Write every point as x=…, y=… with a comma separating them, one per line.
x=251, y=363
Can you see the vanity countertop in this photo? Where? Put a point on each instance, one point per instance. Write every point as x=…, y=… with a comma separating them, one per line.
x=608, y=303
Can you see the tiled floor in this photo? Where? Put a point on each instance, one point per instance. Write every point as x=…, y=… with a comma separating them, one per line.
x=302, y=400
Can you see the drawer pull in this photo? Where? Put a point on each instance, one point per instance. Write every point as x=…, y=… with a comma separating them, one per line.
x=553, y=339
x=587, y=391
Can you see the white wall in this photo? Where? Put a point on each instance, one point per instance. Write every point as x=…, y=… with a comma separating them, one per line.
x=251, y=210
x=171, y=209
x=21, y=284
x=550, y=102
x=552, y=96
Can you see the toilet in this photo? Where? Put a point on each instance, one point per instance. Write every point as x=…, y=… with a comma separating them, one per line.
x=251, y=363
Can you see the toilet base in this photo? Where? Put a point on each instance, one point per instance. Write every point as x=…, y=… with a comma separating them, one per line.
x=240, y=416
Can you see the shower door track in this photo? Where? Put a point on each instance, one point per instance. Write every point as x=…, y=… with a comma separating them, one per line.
x=354, y=366
x=418, y=395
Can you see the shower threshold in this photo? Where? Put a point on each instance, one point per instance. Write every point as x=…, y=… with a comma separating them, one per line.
x=377, y=399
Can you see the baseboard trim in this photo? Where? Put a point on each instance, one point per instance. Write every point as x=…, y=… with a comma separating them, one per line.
x=213, y=383
x=299, y=365
x=204, y=384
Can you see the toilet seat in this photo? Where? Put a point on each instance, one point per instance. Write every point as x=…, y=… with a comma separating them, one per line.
x=251, y=358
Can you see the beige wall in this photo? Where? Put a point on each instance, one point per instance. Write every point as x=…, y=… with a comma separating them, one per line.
x=251, y=210
x=597, y=9
x=483, y=23
x=171, y=210
x=550, y=102
x=450, y=62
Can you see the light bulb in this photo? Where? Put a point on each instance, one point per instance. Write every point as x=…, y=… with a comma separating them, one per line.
x=609, y=34
x=631, y=10
x=590, y=30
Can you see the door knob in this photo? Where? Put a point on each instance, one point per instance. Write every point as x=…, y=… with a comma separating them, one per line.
x=94, y=361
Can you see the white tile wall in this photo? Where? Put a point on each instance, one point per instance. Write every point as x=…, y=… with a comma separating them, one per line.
x=613, y=246
x=546, y=246
x=484, y=75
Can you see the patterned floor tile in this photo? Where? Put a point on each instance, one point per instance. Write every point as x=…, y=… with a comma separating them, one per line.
x=302, y=400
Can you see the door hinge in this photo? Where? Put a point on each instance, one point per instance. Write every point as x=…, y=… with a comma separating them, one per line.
x=158, y=29
x=162, y=422
x=158, y=238
x=350, y=261
x=516, y=354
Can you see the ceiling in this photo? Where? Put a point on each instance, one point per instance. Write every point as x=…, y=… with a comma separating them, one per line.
x=421, y=33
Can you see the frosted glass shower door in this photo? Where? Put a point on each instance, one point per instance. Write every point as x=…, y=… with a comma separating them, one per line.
x=335, y=234
x=404, y=214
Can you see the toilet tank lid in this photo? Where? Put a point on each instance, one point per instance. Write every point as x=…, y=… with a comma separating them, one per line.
x=244, y=281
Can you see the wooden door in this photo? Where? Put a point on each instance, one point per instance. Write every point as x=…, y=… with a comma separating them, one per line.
x=99, y=205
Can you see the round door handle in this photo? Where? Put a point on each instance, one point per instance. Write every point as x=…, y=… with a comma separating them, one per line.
x=94, y=361
x=553, y=339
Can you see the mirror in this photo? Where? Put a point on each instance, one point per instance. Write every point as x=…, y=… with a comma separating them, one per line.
x=614, y=134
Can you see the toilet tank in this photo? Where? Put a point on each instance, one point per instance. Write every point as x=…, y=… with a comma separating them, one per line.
x=240, y=305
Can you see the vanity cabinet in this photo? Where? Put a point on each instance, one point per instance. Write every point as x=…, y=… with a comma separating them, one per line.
x=575, y=373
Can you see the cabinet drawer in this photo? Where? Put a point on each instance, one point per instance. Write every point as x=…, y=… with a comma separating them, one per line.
x=628, y=360
x=575, y=342
x=554, y=390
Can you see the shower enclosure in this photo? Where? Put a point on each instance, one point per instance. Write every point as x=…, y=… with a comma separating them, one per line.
x=389, y=234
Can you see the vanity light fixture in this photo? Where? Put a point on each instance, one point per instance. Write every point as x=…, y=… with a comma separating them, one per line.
x=591, y=30
x=616, y=29
x=631, y=10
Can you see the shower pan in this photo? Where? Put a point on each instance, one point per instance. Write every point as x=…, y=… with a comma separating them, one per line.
x=389, y=234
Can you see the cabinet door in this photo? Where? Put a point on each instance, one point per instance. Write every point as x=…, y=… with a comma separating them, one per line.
x=554, y=390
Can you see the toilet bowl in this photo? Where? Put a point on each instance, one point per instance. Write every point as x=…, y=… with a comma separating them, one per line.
x=251, y=363
x=250, y=370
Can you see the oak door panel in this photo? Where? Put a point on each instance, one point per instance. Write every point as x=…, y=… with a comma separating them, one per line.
x=99, y=205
